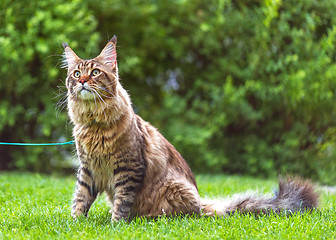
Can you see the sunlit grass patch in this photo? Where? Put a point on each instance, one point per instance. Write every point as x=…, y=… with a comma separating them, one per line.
x=33, y=206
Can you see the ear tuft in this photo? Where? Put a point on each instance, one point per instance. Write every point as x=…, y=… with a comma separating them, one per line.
x=65, y=45
x=69, y=57
x=114, y=39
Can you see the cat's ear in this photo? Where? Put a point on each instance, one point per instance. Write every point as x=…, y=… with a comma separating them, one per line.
x=69, y=57
x=109, y=54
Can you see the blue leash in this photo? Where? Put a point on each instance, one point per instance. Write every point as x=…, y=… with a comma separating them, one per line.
x=37, y=144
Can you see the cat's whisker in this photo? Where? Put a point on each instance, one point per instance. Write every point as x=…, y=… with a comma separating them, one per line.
x=62, y=101
x=110, y=84
x=63, y=97
x=61, y=104
x=62, y=90
x=74, y=94
x=59, y=109
x=101, y=100
x=61, y=94
x=104, y=110
x=95, y=90
x=111, y=97
x=106, y=88
x=107, y=92
x=106, y=104
x=96, y=106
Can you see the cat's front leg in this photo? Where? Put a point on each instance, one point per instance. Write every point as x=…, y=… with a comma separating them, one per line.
x=85, y=194
x=122, y=206
x=127, y=183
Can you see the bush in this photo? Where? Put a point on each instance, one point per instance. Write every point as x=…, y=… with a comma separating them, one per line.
x=237, y=86
x=29, y=39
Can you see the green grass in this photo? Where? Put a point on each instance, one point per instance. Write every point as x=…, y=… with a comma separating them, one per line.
x=33, y=206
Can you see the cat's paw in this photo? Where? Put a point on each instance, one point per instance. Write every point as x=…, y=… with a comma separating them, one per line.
x=116, y=218
x=76, y=214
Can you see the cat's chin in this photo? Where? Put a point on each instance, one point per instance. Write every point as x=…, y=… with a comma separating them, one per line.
x=86, y=95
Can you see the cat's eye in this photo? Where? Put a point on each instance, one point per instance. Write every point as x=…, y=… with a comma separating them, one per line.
x=76, y=74
x=95, y=72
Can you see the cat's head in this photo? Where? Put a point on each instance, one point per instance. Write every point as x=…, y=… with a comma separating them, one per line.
x=94, y=79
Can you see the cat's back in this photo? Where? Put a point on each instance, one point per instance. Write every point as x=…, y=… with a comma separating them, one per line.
x=167, y=173
x=161, y=156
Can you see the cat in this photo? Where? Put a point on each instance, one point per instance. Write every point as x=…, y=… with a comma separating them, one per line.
x=126, y=157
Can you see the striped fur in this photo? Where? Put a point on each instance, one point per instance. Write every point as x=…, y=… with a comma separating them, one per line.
x=141, y=172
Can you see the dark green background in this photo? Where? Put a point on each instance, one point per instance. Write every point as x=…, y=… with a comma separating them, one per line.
x=239, y=87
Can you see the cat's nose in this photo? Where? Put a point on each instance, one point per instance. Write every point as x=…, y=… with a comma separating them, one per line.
x=83, y=79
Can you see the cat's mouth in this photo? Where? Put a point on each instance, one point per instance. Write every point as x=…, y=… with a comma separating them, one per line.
x=84, y=89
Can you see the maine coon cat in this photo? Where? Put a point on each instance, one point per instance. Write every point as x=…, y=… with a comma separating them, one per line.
x=140, y=171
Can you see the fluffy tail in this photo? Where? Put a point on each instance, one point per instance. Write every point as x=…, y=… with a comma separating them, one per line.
x=293, y=195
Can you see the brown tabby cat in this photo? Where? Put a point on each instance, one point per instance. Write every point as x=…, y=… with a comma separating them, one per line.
x=141, y=172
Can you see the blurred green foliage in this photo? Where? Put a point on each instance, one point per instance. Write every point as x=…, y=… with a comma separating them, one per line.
x=31, y=34
x=237, y=86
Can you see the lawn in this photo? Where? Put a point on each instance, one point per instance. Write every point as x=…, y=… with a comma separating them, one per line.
x=36, y=206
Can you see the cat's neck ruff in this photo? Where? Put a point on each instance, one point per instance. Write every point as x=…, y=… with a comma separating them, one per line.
x=91, y=112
